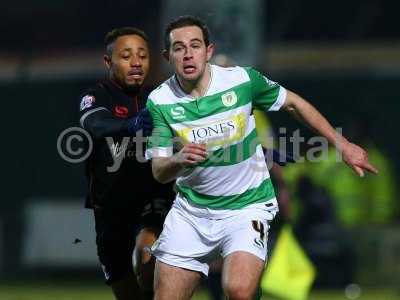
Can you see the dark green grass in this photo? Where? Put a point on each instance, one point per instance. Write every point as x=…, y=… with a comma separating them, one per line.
x=92, y=290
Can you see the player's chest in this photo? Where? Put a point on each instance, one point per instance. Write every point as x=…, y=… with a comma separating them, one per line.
x=216, y=121
x=124, y=107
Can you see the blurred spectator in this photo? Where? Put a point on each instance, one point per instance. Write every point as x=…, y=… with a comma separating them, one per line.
x=357, y=201
x=322, y=238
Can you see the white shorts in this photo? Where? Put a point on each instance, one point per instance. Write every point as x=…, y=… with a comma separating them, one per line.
x=193, y=236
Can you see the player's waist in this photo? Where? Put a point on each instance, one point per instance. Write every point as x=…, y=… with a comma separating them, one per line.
x=234, y=178
x=187, y=206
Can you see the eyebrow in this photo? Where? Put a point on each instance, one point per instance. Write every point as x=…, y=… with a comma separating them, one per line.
x=130, y=49
x=192, y=40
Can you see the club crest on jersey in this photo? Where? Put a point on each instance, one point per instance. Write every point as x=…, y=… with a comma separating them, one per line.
x=87, y=101
x=178, y=112
x=229, y=98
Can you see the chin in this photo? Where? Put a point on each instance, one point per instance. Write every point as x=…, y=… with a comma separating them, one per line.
x=191, y=77
x=133, y=87
x=136, y=83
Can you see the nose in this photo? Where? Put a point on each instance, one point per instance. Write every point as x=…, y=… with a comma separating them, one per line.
x=135, y=61
x=188, y=54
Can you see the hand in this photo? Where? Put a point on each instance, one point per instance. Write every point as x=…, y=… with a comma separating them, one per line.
x=357, y=159
x=142, y=121
x=191, y=154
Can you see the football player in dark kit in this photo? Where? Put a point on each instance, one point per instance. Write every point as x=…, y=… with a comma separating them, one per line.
x=129, y=206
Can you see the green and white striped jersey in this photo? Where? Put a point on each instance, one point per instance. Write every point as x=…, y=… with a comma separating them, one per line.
x=235, y=173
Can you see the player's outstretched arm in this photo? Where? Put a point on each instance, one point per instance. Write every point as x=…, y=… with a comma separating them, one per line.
x=357, y=159
x=354, y=156
x=166, y=169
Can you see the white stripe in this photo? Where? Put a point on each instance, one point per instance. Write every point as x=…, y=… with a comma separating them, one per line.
x=169, y=92
x=228, y=180
x=158, y=152
x=88, y=113
x=224, y=79
x=280, y=101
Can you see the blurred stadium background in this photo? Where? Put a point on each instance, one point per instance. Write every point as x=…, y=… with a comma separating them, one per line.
x=344, y=56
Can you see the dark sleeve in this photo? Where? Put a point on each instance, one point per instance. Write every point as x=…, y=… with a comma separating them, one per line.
x=97, y=119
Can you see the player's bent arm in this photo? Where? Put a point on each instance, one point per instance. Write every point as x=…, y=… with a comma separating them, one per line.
x=354, y=156
x=166, y=169
x=103, y=124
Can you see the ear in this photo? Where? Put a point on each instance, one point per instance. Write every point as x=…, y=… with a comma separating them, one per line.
x=210, y=51
x=165, y=54
x=107, y=61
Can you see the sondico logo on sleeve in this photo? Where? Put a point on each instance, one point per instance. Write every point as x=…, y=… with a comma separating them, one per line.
x=178, y=113
x=216, y=134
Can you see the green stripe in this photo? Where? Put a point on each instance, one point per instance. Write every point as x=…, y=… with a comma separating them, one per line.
x=162, y=133
x=206, y=106
x=264, y=92
x=233, y=154
x=264, y=192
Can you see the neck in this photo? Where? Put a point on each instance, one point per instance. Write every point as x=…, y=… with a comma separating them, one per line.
x=129, y=90
x=197, y=88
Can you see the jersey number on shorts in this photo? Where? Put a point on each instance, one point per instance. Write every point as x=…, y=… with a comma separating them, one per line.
x=259, y=227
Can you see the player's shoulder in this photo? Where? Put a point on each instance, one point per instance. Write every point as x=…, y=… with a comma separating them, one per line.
x=94, y=95
x=167, y=92
x=94, y=89
x=253, y=73
x=224, y=78
x=233, y=68
x=235, y=75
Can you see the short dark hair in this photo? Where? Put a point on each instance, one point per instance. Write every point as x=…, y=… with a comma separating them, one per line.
x=184, y=21
x=112, y=35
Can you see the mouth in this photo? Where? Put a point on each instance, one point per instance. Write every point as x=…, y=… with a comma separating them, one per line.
x=189, y=69
x=135, y=74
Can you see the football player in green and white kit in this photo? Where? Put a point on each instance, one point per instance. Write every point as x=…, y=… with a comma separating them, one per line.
x=225, y=197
